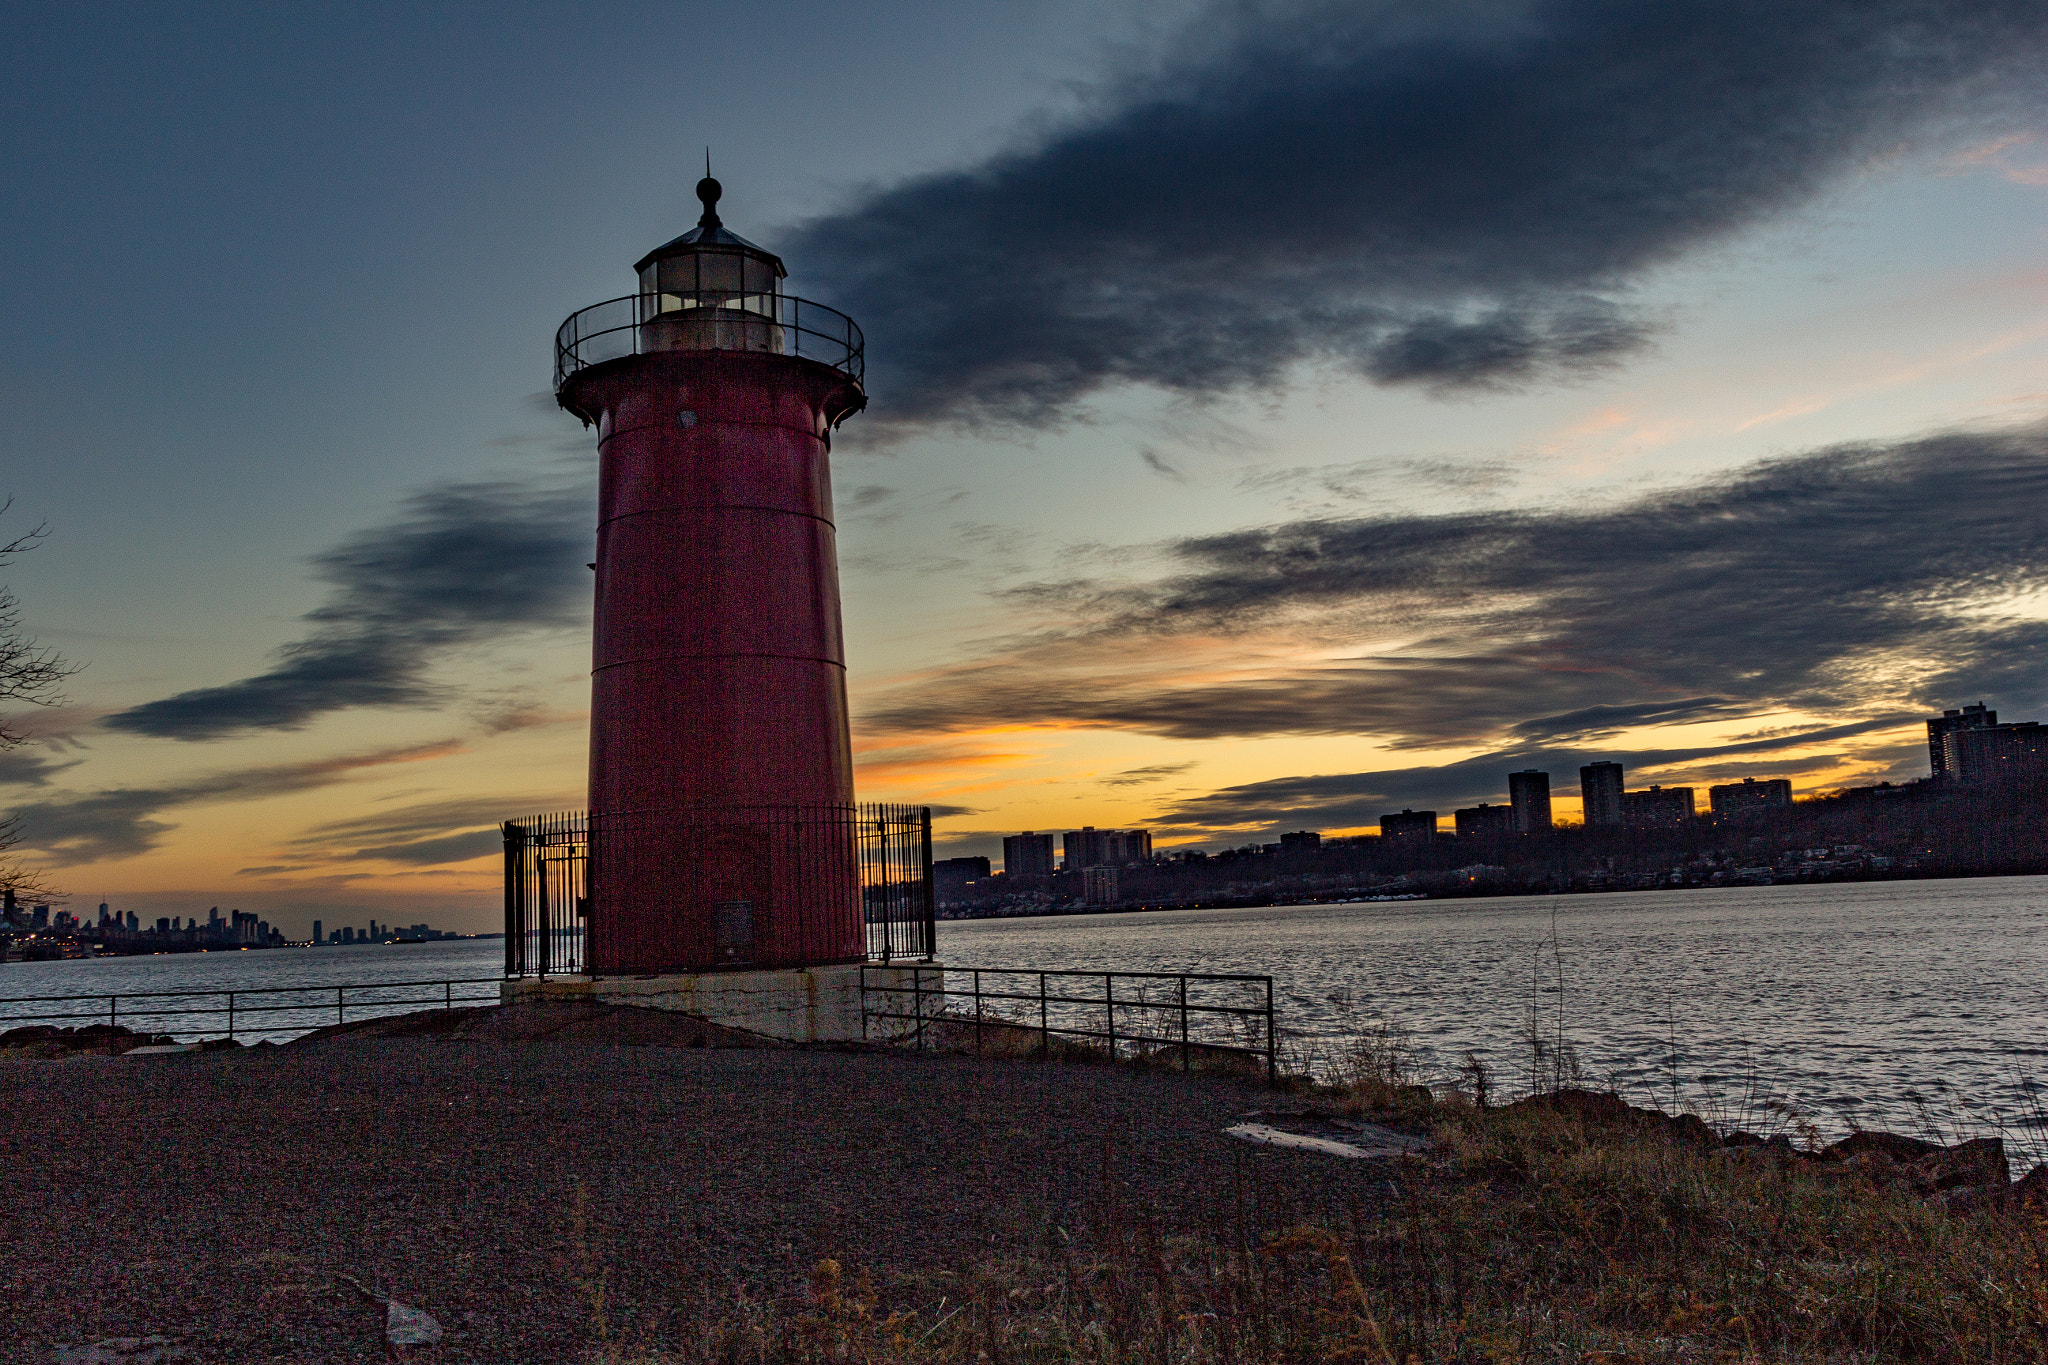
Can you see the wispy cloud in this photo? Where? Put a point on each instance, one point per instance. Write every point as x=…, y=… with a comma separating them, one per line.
x=1455, y=196
x=120, y=822
x=1837, y=582
x=464, y=564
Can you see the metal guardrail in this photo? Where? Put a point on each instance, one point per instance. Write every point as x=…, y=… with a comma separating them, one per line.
x=913, y=1014
x=235, y=1006
x=646, y=324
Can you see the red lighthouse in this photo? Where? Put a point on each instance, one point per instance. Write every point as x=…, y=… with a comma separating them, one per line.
x=721, y=785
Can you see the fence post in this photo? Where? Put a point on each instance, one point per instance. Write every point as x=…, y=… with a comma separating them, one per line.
x=231, y=1016
x=1185, y=1063
x=1044, y=1022
x=113, y=1010
x=931, y=898
x=515, y=896
x=1272, y=1039
x=917, y=1003
x=977, y=1011
x=340, y=1017
x=447, y=995
x=1109, y=1009
x=863, y=1002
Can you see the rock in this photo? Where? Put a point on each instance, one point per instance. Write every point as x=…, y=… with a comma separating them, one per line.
x=1354, y=1140
x=1612, y=1111
x=1892, y=1146
x=1979, y=1162
x=407, y=1329
x=2031, y=1189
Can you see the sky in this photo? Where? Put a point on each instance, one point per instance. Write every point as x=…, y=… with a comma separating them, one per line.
x=1280, y=413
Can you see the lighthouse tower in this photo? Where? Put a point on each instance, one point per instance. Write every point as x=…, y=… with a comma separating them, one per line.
x=721, y=782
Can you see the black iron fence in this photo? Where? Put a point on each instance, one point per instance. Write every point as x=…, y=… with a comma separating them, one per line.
x=897, y=900
x=551, y=861
x=272, y=1012
x=708, y=319
x=547, y=893
x=1179, y=1017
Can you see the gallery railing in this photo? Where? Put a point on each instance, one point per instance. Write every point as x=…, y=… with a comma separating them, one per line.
x=706, y=320
x=1182, y=1018
x=549, y=871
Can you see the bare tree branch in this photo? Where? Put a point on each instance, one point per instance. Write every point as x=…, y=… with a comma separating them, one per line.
x=31, y=673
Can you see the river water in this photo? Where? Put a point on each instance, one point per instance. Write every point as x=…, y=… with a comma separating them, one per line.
x=1917, y=1006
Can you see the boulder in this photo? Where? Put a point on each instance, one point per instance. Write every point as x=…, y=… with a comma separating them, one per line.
x=1893, y=1146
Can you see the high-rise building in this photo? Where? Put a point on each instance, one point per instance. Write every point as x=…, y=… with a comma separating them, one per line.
x=1300, y=841
x=1983, y=754
x=133, y=923
x=103, y=912
x=1409, y=826
x=1733, y=800
x=316, y=931
x=1098, y=885
x=1657, y=808
x=1027, y=855
x=1600, y=793
x=1483, y=821
x=1084, y=847
x=1529, y=795
x=1123, y=847
x=1947, y=723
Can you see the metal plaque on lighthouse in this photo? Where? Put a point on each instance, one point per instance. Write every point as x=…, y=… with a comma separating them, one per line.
x=721, y=776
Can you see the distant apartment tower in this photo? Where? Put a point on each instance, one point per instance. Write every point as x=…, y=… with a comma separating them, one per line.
x=1301, y=841
x=1092, y=847
x=1980, y=755
x=1027, y=855
x=1126, y=846
x=1947, y=723
x=316, y=931
x=1657, y=808
x=1600, y=793
x=1409, y=826
x=1733, y=800
x=1084, y=847
x=1529, y=796
x=1098, y=885
x=1482, y=821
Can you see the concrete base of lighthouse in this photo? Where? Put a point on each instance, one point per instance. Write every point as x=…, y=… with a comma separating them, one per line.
x=798, y=1004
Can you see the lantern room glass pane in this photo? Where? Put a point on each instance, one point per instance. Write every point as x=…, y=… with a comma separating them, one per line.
x=677, y=275
x=718, y=272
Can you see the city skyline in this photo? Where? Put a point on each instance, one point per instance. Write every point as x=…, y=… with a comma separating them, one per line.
x=1513, y=470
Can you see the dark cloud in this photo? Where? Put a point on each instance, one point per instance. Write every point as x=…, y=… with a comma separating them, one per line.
x=451, y=848
x=1138, y=777
x=465, y=564
x=25, y=768
x=120, y=822
x=423, y=834
x=1835, y=582
x=1448, y=195
x=1350, y=800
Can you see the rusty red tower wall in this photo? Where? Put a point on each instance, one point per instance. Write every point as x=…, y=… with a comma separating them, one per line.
x=721, y=777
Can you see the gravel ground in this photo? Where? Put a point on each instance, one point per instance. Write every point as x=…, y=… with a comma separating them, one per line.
x=220, y=1196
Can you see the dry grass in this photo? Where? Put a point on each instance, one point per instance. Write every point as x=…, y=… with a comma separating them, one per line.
x=1535, y=1234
